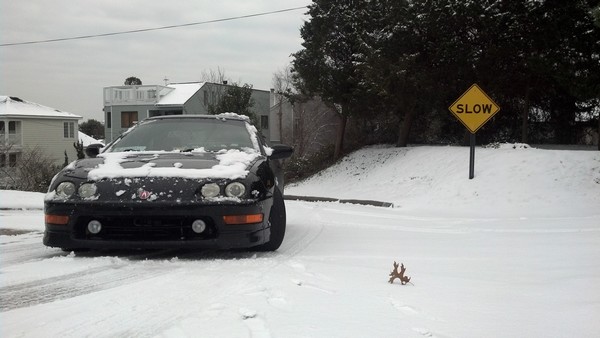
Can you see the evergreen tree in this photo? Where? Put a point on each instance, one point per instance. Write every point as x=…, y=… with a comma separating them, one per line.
x=330, y=62
x=237, y=100
x=539, y=60
x=93, y=128
x=133, y=81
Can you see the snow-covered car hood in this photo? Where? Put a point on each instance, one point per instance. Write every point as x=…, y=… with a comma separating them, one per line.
x=231, y=164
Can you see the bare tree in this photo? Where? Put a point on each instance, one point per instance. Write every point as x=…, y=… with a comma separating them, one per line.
x=313, y=123
x=218, y=77
x=283, y=89
x=32, y=171
x=7, y=171
x=214, y=76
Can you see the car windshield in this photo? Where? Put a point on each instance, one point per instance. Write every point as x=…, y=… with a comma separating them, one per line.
x=191, y=134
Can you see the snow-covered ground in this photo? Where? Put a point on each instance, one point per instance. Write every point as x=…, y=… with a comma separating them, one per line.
x=512, y=253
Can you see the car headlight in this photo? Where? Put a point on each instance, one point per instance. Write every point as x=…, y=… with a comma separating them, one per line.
x=210, y=190
x=65, y=189
x=87, y=190
x=235, y=189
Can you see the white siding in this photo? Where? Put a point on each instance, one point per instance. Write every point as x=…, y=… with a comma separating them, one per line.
x=48, y=134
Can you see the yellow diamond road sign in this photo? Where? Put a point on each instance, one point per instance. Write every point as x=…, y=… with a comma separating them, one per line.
x=474, y=108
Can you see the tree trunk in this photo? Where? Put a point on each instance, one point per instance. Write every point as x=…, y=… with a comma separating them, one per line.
x=405, y=128
x=339, y=140
x=525, y=119
x=280, y=120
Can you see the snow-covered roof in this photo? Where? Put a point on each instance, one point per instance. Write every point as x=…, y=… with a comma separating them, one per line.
x=182, y=93
x=11, y=106
x=87, y=140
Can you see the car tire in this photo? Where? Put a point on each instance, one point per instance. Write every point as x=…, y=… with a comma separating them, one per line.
x=277, y=219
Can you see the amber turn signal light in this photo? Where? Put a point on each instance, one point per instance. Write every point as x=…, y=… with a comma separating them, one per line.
x=57, y=219
x=243, y=219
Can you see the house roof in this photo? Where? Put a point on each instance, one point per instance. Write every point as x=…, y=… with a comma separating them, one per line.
x=182, y=93
x=87, y=140
x=11, y=106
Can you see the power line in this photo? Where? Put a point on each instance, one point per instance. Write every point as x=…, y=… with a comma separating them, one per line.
x=151, y=29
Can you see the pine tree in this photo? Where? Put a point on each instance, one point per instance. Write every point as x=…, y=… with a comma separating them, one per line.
x=330, y=62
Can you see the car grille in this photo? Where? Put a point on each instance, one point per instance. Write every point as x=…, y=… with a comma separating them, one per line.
x=161, y=228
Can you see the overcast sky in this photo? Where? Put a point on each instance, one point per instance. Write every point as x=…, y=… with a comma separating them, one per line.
x=70, y=75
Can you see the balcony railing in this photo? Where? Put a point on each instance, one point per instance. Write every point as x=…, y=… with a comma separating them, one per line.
x=126, y=95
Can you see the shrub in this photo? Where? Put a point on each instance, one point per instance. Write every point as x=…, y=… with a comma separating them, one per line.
x=300, y=167
x=33, y=171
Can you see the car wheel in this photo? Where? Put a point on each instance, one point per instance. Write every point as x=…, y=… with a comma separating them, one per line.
x=277, y=221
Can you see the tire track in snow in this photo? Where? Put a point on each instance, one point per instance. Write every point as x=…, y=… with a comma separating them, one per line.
x=263, y=263
x=26, y=253
x=127, y=271
x=71, y=285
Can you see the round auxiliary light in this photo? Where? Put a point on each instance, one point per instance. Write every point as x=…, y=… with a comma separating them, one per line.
x=65, y=189
x=87, y=190
x=210, y=190
x=235, y=189
x=94, y=227
x=198, y=226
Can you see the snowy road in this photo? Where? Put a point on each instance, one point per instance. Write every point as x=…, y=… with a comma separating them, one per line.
x=473, y=277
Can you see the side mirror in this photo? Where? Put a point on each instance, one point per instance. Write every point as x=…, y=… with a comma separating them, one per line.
x=281, y=151
x=93, y=150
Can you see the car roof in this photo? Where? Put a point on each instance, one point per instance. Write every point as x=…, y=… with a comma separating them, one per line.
x=226, y=116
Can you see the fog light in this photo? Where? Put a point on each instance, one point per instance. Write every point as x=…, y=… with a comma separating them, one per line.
x=199, y=226
x=94, y=227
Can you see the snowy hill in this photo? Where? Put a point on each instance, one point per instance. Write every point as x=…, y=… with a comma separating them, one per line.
x=510, y=180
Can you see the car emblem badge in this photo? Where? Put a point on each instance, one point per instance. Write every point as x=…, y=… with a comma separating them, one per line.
x=143, y=194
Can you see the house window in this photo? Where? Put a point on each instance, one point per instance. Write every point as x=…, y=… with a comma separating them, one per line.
x=14, y=132
x=264, y=122
x=108, y=120
x=69, y=130
x=128, y=119
x=12, y=160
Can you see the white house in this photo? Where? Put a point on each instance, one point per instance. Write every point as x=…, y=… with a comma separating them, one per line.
x=27, y=125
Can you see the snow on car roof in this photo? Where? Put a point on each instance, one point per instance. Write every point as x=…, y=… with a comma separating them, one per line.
x=223, y=116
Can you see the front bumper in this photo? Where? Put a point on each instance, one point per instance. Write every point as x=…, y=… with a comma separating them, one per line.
x=136, y=225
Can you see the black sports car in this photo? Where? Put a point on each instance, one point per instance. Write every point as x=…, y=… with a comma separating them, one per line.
x=186, y=181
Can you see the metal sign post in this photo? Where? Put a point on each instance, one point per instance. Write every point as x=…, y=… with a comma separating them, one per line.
x=473, y=109
x=472, y=158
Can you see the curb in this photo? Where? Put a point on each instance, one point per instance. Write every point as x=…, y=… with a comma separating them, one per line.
x=329, y=199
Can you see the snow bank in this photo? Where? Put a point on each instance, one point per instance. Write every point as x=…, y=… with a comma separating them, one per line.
x=10, y=199
x=510, y=180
